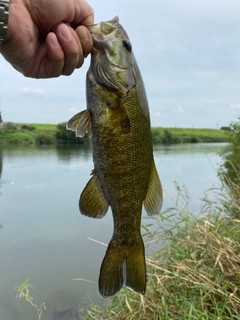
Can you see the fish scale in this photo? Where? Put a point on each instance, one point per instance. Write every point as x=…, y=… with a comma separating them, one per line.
x=124, y=176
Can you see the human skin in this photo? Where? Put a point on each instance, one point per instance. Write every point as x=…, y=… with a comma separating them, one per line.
x=47, y=38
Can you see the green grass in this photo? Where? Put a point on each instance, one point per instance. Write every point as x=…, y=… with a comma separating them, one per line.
x=206, y=135
x=45, y=127
x=17, y=133
x=195, y=275
x=188, y=135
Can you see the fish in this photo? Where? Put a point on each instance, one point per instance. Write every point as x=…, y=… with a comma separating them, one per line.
x=124, y=177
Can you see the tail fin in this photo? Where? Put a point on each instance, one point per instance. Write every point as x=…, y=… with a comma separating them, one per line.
x=123, y=265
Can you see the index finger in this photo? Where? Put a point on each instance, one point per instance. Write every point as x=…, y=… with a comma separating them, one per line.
x=84, y=14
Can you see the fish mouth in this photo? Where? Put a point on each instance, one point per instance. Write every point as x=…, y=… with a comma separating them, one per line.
x=104, y=28
x=102, y=34
x=99, y=30
x=114, y=21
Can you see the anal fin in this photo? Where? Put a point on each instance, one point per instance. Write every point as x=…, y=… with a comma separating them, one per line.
x=80, y=123
x=154, y=196
x=92, y=202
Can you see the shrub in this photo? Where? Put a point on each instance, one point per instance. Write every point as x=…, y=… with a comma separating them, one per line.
x=67, y=136
x=45, y=138
x=169, y=138
x=27, y=127
x=226, y=128
x=10, y=126
x=230, y=170
x=156, y=135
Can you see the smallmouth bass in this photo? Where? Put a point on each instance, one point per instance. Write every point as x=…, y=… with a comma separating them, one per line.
x=124, y=176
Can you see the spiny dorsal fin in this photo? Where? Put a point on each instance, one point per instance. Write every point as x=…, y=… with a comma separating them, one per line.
x=92, y=202
x=153, y=199
x=80, y=123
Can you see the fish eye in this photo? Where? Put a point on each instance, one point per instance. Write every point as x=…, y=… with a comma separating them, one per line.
x=127, y=45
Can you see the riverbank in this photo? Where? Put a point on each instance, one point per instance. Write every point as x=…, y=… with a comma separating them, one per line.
x=194, y=276
x=46, y=134
x=17, y=133
x=188, y=135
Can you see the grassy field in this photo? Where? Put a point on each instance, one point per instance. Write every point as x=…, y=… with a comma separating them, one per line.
x=204, y=134
x=16, y=133
x=45, y=127
x=188, y=135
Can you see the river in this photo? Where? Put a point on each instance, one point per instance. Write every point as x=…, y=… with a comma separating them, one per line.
x=44, y=238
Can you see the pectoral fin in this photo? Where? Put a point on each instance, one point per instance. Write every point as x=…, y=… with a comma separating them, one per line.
x=80, y=123
x=92, y=202
x=153, y=199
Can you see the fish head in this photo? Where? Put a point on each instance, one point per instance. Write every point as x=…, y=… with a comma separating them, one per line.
x=112, y=58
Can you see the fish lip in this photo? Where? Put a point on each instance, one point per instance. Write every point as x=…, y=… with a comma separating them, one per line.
x=95, y=29
x=115, y=19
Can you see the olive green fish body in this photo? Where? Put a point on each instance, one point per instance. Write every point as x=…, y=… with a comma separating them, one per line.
x=124, y=174
x=122, y=151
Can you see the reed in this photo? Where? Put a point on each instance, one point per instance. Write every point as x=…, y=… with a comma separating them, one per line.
x=195, y=275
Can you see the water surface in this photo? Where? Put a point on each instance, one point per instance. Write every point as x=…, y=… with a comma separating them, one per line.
x=44, y=238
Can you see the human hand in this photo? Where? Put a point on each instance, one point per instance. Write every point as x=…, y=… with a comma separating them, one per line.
x=47, y=38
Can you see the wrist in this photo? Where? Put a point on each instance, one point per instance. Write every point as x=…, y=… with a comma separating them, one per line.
x=4, y=8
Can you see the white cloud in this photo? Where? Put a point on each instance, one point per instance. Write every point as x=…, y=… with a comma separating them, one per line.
x=207, y=74
x=31, y=91
x=156, y=114
x=74, y=110
x=179, y=110
x=235, y=106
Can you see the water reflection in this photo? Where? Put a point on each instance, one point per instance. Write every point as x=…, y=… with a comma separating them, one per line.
x=69, y=152
x=188, y=148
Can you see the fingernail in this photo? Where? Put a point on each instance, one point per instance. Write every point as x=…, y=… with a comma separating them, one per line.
x=83, y=34
x=54, y=41
x=66, y=33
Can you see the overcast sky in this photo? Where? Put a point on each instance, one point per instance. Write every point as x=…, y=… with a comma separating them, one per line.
x=188, y=52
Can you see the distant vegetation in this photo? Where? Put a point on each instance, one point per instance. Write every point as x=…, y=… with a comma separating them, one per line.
x=187, y=135
x=16, y=133
x=67, y=136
